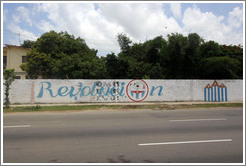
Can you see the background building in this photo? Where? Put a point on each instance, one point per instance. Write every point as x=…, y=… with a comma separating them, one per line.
x=13, y=57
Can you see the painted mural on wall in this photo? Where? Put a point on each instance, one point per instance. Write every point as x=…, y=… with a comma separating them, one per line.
x=75, y=91
x=215, y=92
x=136, y=90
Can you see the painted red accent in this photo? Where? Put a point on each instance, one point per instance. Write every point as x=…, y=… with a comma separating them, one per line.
x=32, y=93
x=208, y=86
x=222, y=85
x=215, y=83
x=136, y=91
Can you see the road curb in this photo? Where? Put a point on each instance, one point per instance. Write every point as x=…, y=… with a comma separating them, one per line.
x=125, y=103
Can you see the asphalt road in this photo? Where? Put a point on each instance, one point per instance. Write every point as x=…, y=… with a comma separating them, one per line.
x=212, y=135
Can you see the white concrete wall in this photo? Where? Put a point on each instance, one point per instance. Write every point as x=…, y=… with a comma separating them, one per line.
x=75, y=91
x=20, y=91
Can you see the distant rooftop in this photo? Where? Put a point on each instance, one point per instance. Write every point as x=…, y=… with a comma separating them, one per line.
x=9, y=45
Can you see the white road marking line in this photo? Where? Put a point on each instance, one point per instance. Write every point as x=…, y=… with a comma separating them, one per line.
x=17, y=126
x=194, y=120
x=186, y=142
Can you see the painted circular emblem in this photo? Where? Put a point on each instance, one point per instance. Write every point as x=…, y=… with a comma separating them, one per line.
x=137, y=90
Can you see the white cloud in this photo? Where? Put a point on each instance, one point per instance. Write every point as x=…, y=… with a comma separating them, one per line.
x=16, y=18
x=236, y=17
x=81, y=20
x=139, y=20
x=100, y=24
x=14, y=41
x=99, y=27
x=176, y=10
x=45, y=26
x=24, y=34
x=24, y=14
x=5, y=14
x=210, y=26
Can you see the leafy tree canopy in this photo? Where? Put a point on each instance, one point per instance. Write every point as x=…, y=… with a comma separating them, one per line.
x=27, y=44
x=60, y=55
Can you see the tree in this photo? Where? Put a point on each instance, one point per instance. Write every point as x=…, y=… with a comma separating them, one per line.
x=62, y=56
x=219, y=68
x=27, y=44
x=192, y=56
x=175, y=56
x=210, y=49
x=138, y=70
x=8, y=76
x=179, y=57
x=153, y=49
x=156, y=72
x=112, y=65
x=38, y=64
x=143, y=60
x=123, y=41
x=235, y=52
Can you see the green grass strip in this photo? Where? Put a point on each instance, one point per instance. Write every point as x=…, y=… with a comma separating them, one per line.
x=38, y=108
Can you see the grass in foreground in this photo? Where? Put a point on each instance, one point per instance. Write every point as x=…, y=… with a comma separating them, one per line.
x=38, y=108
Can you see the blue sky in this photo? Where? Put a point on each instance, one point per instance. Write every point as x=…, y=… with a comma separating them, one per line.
x=99, y=23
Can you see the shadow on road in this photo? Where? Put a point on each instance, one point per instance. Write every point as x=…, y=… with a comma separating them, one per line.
x=123, y=159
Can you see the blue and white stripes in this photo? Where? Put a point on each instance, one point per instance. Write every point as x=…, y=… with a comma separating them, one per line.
x=215, y=92
x=137, y=94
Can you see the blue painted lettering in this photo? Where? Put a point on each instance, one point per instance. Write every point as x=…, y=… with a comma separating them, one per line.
x=113, y=91
x=71, y=94
x=40, y=95
x=154, y=88
x=93, y=89
x=60, y=93
x=83, y=93
x=99, y=89
x=122, y=89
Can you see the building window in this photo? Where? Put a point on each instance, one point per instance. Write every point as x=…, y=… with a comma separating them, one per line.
x=4, y=62
x=17, y=77
x=23, y=59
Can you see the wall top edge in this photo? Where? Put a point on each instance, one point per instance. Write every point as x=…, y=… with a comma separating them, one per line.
x=138, y=79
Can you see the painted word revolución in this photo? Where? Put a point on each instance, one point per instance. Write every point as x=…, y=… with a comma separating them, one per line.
x=135, y=90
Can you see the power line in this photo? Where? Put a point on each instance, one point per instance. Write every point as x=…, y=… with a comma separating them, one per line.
x=85, y=38
x=19, y=34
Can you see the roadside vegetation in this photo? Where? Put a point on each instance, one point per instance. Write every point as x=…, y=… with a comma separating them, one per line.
x=62, y=56
x=124, y=107
x=8, y=76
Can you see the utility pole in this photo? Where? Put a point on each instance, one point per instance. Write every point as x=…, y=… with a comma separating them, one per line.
x=19, y=39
